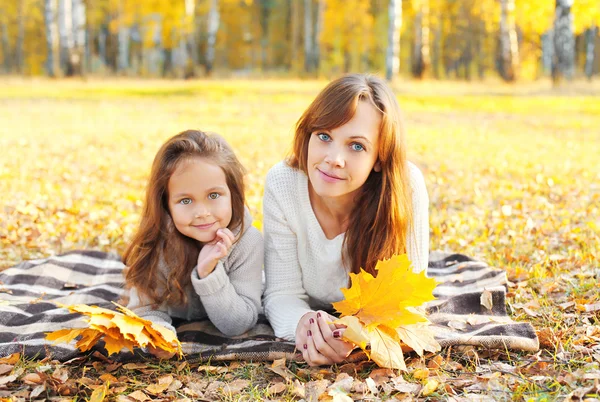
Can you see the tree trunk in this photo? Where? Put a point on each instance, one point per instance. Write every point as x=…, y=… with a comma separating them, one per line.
x=421, y=54
x=316, y=45
x=5, y=45
x=392, y=54
x=79, y=25
x=436, y=54
x=19, y=53
x=102, y=35
x=123, y=49
x=308, y=36
x=65, y=33
x=51, y=37
x=590, y=51
x=190, y=53
x=295, y=35
x=264, y=14
x=564, y=42
x=509, y=46
x=213, y=28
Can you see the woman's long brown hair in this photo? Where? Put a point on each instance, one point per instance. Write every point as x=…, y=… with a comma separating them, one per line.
x=382, y=214
x=157, y=238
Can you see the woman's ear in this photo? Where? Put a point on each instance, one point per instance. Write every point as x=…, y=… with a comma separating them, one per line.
x=377, y=167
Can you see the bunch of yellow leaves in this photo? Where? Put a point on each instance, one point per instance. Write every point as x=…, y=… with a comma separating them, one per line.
x=119, y=330
x=383, y=312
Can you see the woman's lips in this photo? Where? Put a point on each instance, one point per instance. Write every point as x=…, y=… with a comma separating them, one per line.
x=328, y=177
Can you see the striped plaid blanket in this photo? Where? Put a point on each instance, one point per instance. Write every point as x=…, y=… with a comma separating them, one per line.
x=470, y=309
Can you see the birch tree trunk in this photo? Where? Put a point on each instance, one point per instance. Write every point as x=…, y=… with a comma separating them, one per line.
x=65, y=33
x=509, y=46
x=392, y=54
x=213, y=28
x=316, y=59
x=51, y=37
x=590, y=51
x=308, y=36
x=421, y=53
x=564, y=42
x=79, y=26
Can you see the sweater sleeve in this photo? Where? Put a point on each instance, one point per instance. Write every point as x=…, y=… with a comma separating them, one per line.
x=232, y=299
x=285, y=299
x=146, y=311
x=418, y=237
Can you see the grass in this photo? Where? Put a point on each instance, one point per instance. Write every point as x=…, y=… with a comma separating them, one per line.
x=511, y=171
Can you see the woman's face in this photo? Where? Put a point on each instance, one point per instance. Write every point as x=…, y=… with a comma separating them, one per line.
x=340, y=160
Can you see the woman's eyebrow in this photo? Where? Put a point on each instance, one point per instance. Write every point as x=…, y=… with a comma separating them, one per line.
x=360, y=137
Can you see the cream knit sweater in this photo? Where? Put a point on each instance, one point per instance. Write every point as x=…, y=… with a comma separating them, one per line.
x=303, y=268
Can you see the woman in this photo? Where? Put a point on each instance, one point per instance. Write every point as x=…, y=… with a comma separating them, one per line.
x=344, y=199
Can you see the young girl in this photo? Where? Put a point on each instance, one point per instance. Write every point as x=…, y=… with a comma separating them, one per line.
x=196, y=253
x=344, y=199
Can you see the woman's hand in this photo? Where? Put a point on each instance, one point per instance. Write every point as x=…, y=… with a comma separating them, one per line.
x=212, y=252
x=320, y=341
x=161, y=354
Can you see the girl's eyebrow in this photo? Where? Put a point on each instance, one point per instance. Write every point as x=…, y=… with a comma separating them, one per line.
x=219, y=188
x=208, y=190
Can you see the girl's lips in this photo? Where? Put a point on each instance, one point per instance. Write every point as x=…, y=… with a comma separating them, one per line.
x=203, y=227
x=328, y=178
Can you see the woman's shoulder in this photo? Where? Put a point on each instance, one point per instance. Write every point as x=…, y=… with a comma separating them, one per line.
x=282, y=177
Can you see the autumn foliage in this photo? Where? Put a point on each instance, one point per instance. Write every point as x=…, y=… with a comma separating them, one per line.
x=383, y=312
x=118, y=330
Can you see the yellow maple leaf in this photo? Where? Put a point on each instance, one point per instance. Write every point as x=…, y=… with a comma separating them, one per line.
x=382, y=311
x=118, y=329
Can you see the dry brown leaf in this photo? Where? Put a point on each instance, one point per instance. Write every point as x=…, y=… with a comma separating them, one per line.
x=32, y=378
x=277, y=388
x=486, y=299
x=138, y=396
x=6, y=368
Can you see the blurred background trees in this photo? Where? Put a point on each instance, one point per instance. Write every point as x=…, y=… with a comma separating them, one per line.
x=441, y=39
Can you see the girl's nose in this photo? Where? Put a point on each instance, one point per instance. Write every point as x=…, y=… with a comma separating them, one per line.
x=202, y=211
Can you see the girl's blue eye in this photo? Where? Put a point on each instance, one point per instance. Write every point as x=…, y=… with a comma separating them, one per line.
x=357, y=147
x=323, y=137
x=214, y=196
x=186, y=201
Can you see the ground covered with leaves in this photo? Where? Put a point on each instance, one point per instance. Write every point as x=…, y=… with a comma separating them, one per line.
x=513, y=179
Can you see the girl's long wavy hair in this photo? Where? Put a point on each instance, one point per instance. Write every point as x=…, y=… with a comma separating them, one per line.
x=382, y=214
x=157, y=238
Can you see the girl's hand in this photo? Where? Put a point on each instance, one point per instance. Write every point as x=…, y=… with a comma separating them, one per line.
x=320, y=342
x=161, y=354
x=212, y=252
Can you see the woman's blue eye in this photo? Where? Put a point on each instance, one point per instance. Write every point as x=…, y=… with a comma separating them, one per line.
x=186, y=201
x=323, y=137
x=357, y=147
x=214, y=196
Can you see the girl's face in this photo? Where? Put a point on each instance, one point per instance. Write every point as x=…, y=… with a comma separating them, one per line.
x=199, y=199
x=340, y=160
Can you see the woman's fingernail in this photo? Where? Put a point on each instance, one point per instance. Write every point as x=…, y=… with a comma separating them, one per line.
x=336, y=334
x=312, y=320
x=309, y=333
x=305, y=346
x=318, y=315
